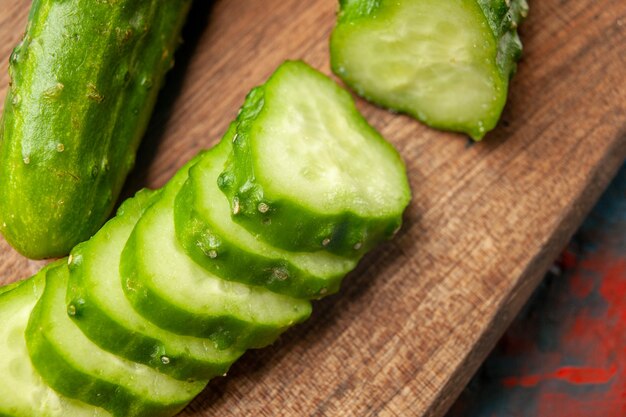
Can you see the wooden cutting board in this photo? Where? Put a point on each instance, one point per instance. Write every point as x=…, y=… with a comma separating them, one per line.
x=418, y=316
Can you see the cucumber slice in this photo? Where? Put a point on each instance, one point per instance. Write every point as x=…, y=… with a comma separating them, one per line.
x=22, y=391
x=225, y=248
x=446, y=63
x=103, y=313
x=308, y=173
x=171, y=290
x=76, y=367
x=9, y=287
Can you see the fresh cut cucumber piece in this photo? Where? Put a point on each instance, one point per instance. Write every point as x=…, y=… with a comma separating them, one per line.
x=167, y=287
x=208, y=234
x=308, y=173
x=84, y=81
x=9, y=287
x=446, y=63
x=76, y=367
x=101, y=310
x=22, y=391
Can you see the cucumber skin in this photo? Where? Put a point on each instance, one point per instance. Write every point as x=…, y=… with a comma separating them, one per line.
x=29, y=291
x=235, y=263
x=113, y=336
x=349, y=235
x=60, y=375
x=84, y=81
x=95, y=323
x=503, y=18
x=10, y=287
x=225, y=331
x=142, y=349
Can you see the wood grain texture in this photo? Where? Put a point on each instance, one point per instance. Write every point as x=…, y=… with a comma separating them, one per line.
x=417, y=317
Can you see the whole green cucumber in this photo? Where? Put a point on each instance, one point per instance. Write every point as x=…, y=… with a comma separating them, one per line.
x=84, y=81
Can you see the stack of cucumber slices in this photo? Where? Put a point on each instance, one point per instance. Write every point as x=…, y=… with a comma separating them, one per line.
x=226, y=257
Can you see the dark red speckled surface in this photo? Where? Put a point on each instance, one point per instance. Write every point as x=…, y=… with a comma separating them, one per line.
x=565, y=355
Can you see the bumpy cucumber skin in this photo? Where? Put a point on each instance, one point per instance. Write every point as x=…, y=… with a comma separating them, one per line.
x=115, y=336
x=84, y=81
x=59, y=374
x=234, y=263
x=503, y=18
x=226, y=331
x=224, y=258
x=287, y=224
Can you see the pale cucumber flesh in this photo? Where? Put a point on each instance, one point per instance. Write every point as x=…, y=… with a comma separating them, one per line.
x=309, y=144
x=308, y=173
x=105, y=315
x=76, y=367
x=435, y=60
x=170, y=289
x=227, y=249
x=23, y=393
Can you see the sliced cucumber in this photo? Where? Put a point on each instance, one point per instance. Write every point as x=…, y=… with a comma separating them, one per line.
x=171, y=290
x=225, y=248
x=22, y=391
x=9, y=287
x=308, y=173
x=76, y=367
x=447, y=63
x=101, y=310
x=83, y=83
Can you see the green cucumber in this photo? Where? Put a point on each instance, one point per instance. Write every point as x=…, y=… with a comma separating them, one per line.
x=84, y=81
x=446, y=63
x=308, y=173
x=22, y=391
x=74, y=366
x=226, y=249
x=132, y=326
x=170, y=289
x=9, y=287
x=101, y=310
